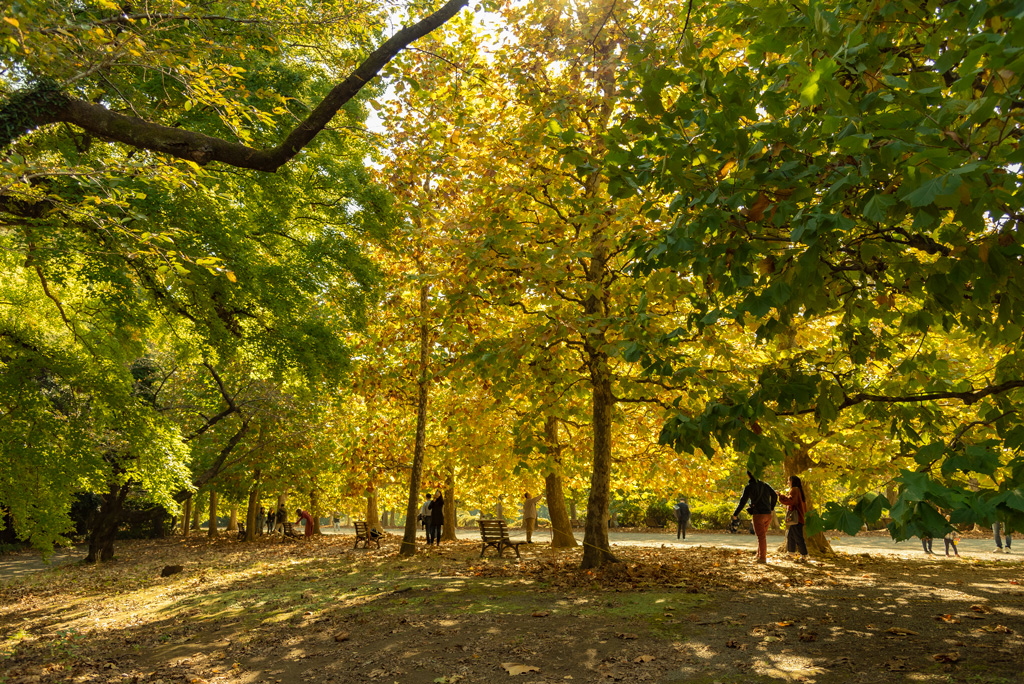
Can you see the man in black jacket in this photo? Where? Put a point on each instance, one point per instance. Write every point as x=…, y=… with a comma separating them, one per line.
x=762, y=500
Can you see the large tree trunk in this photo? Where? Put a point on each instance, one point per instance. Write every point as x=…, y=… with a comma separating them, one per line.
x=105, y=523
x=448, y=533
x=372, y=516
x=186, y=518
x=408, y=547
x=572, y=513
x=794, y=464
x=212, y=532
x=233, y=519
x=254, y=505
x=561, y=527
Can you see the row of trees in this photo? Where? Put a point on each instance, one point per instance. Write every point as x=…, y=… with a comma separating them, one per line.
x=601, y=245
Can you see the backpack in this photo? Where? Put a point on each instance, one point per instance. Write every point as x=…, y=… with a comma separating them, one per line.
x=764, y=497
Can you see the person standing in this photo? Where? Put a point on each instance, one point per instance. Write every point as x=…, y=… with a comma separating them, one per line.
x=762, y=500
x=305, y=516
x=261, y=518
x=999, y=542
x=796, y=507
x=436, y=519
x=530, y=515
x=279, y=518
x=424, y=514
x=682, y=511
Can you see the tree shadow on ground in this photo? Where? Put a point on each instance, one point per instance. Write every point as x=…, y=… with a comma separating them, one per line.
x=320, y=611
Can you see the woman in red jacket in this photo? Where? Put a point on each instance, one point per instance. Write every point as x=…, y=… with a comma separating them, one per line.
x=796, y=506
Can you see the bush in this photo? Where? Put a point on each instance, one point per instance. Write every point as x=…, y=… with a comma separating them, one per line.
x=711, y=516
x=659, y=514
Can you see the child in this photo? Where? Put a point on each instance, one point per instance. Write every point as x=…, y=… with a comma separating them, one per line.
x=951, y=538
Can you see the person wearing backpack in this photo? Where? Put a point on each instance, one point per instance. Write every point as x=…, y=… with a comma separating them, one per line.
x=762, y=500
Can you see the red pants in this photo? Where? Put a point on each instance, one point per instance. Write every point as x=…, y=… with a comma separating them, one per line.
x=761, y=522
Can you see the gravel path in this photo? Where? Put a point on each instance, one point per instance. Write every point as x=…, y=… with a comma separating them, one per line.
x=16, y=564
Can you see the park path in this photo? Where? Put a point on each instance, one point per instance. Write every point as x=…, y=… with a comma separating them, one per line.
x=21, y=563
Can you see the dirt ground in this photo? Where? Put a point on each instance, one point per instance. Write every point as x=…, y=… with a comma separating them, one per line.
x=320, y=611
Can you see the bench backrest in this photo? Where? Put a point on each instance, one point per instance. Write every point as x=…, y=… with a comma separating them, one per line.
x=360, y=526
x=493, y=529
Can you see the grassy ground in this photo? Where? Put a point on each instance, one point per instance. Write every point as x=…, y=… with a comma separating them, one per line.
x=320, y=611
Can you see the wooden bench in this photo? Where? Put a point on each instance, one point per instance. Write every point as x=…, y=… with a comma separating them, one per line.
x=363, y=535
x=495, y=533
x=289, y=531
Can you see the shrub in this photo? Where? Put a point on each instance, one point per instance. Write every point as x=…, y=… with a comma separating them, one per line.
x=711, y=516
x=659, y=514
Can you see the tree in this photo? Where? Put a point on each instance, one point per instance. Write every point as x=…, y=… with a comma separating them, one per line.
x=857, y=170
x=73, y=51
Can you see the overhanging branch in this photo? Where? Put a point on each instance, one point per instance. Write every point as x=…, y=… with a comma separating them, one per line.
x=44, y=106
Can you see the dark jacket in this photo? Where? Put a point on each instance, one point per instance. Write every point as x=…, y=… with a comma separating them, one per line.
x=761, y=496
x=437, y=511
x=682, y=510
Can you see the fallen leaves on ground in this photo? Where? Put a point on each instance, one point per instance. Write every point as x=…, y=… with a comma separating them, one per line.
x=514, y=669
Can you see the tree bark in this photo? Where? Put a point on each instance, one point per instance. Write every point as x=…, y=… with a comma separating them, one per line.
x=212, y=532
x=314, y=506
x=561, y=527
x=499, y=510
x=105, y=523
x=448, y=532
x=42, y=106
x=372, y=516
x=233, y=519
x=408, y=547
x=572, y=513
x=186, y=518
x=195, y=514
x=253, y=509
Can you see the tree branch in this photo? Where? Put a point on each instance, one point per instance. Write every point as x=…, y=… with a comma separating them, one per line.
x=44, y=105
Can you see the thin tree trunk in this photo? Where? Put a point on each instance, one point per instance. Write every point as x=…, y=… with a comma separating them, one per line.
x=448, y=532
x=254, y=504
x=195, y=514
x=233, y=519
x=572, y=513
x=212, y=532
x=408, y=547
x=186, y=518
x=499, y=511
x=314, y=505
x=561, y=528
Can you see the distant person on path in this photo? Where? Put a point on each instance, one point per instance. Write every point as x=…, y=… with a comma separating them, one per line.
x=796, y=507
x=926, y=544
x=261, y=519
x=530, y=515
x=425, y=514
x=951, y=538
x=762, y=500
x=999, y=542
x=303, y=515
x=682, y=511
x=436, y=519
x=279, y=518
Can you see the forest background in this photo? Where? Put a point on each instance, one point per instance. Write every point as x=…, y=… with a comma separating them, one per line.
x=614, y=250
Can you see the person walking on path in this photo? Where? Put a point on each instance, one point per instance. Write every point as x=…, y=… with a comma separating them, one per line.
x=682, y=511
x=762, y=500
x=303, y=515
x=999, y=542
x=796, y=507
x=436, y=519
x=950, y=539
x=530, y=515
x=926, y=544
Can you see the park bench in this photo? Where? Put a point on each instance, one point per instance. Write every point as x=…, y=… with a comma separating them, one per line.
x=495, y=533
x=363, y=535
x=289, y=531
